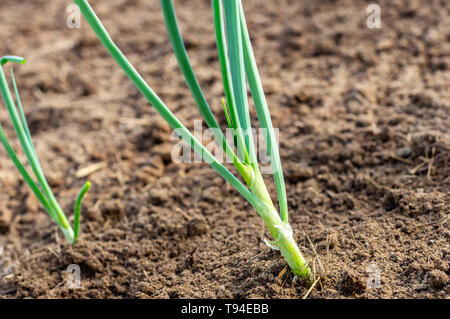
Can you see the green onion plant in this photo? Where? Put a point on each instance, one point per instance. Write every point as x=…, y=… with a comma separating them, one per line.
x=40, y=186
x=238, y=66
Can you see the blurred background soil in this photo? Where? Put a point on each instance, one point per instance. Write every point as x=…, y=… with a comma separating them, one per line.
x=363, y=117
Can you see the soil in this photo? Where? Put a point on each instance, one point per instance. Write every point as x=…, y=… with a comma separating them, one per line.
x=363, y=117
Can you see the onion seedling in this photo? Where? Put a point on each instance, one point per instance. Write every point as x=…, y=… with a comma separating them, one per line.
x=237, y=64
x=40, y=187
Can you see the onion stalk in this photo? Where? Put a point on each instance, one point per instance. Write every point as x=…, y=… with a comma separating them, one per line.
x=40, y=188
x=237, y=63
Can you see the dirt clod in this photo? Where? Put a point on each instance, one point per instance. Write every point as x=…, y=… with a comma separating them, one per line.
x=404, y=152
x=438, y=279
x=197, y=226
x=299, y=172
x=113, y=209
x=351, y=283
x=5, y=219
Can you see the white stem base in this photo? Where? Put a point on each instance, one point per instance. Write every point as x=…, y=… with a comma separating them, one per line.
x=68, y=233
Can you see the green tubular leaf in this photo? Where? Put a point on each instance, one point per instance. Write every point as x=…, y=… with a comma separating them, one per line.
x=219, y=26
x=22, y=170
x=235, y=52
x=25, y=143
x=159, y=105
x=262, y=111
x=77, y=210
x=189, y=75
x=11, y=58
x=230, y=125
x=21, y=112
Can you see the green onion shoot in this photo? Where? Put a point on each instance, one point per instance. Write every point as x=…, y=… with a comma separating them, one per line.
x=38, y=183
x=238, y=66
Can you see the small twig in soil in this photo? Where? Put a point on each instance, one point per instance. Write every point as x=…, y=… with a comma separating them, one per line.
x=311, y=288
x=415, y=169
x=119, y=172
x=328, y=258
x=88, y=170
x=319, y=261
x=379, y=186
x=135, y=121
x=430, y=165
x=182, y=213
x=281, y=274
x=97, y=205
x=53, y=252
x=404, y=160
x=434, y=222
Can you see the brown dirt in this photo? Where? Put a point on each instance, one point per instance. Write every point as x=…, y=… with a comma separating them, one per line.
x=363, y=118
